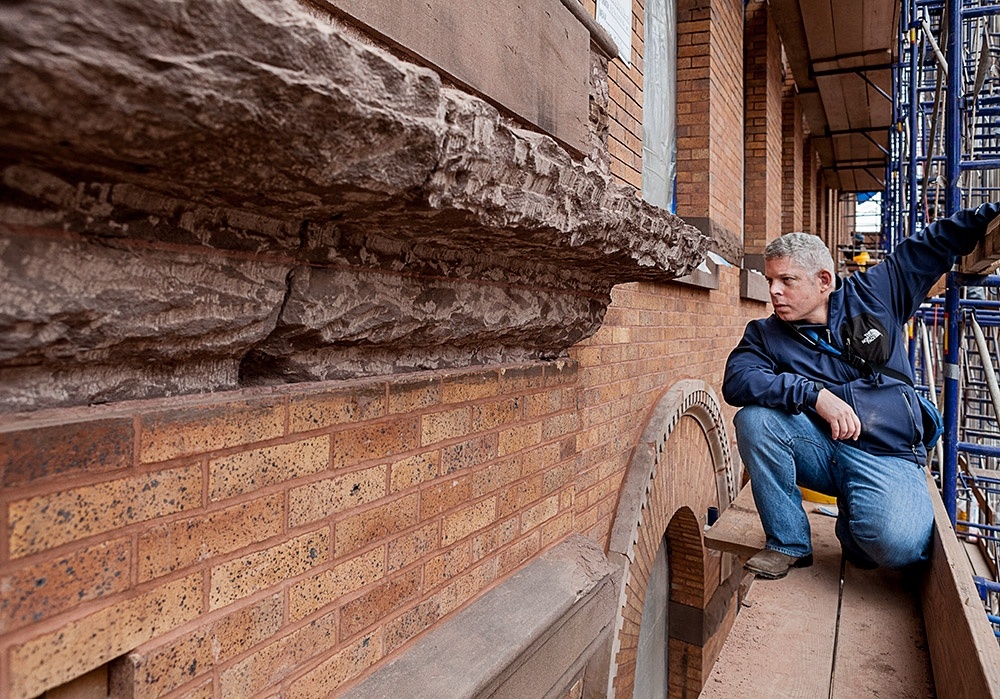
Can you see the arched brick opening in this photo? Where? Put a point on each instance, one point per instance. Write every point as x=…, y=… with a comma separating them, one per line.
x=681, y=467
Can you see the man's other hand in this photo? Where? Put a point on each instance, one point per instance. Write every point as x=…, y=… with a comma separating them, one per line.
x=844, y=422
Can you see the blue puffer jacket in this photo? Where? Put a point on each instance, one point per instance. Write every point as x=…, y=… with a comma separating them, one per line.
x=773, y=367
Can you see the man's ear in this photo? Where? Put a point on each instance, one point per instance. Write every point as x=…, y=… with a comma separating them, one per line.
x=825, y=280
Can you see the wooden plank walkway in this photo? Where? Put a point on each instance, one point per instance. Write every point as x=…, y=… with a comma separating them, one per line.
x=782, y=644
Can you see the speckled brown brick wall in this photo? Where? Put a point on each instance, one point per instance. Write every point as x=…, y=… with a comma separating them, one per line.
x=273, y=540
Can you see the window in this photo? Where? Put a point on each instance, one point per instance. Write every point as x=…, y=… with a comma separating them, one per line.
x=659, y=112
x=651, y=656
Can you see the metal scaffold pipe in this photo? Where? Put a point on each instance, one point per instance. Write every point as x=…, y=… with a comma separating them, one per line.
x=987, y=361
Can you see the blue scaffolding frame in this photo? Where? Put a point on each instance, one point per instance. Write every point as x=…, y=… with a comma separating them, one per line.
x=944, y=155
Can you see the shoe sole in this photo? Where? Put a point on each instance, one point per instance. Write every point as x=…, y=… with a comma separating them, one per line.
x=803, y=562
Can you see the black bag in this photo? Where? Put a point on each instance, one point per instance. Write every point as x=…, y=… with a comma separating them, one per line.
x=931, y=420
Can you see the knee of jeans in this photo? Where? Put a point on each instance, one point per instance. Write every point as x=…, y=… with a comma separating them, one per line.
x=752, y=421
x=894, y=546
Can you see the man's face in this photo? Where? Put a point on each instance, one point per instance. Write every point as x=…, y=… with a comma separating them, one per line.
x=796, y=294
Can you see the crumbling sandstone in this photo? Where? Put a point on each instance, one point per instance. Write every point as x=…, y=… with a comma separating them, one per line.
x=197, y=196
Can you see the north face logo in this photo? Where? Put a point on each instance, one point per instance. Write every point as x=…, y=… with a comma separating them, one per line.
x=870, y=336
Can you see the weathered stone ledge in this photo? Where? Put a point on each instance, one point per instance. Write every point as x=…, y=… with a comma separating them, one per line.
x=263, y=128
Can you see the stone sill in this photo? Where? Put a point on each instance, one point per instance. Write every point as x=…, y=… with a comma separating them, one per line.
x=753, y=286
x=702, y=278
x=528, y=638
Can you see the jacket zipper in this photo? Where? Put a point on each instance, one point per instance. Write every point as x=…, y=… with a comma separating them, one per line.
x=913, y=422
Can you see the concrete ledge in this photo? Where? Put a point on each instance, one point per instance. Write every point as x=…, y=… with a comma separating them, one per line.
x=532, y=636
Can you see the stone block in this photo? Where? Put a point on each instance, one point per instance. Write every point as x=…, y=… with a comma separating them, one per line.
x=396, y=225
x=535, y=648
x=341, y=323
x=83, y=322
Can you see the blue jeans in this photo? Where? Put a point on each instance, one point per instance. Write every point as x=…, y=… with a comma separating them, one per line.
x=885, y=513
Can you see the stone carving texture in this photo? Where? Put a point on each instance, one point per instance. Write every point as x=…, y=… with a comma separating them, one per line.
x=242, y=192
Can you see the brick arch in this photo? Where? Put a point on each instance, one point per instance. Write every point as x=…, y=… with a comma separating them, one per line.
x=681, y=466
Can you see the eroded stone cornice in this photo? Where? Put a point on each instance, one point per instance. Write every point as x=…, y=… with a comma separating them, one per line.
x=261, y=128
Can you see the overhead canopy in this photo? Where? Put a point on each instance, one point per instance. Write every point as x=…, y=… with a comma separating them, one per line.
x=841, y=55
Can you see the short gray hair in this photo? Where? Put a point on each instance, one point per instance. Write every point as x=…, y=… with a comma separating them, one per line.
x=806, y=250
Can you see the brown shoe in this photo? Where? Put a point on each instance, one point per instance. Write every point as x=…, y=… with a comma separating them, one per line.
x=773, y=565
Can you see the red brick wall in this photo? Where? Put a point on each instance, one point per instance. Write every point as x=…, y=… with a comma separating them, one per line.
x=653, y=335
x=625, y=92
x=709, y=111
x=792, y=160
x=274, y=539
x=290, y=538
x=763, y=107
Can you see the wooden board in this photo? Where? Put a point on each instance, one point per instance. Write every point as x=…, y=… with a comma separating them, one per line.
x=882, y=648
x=986, y=257
x=964, y=654
x=782, y=642
x=738, y=529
